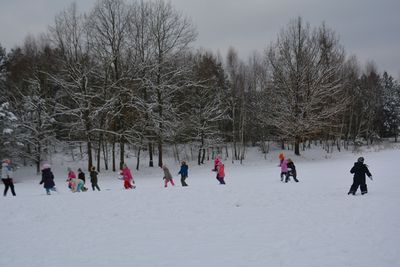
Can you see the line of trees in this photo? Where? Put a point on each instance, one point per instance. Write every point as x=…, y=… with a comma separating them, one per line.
x=125, y=74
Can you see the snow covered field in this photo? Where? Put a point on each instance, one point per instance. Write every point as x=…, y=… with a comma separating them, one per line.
x=255, y=220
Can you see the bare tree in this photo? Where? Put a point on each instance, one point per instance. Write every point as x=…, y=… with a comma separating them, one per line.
x=75, y=101
x=304, y=83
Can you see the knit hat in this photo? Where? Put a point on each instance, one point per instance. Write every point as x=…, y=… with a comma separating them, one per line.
x=46, y=166
x=360, y=159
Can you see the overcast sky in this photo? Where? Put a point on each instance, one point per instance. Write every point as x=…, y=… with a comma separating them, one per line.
x=369, y=29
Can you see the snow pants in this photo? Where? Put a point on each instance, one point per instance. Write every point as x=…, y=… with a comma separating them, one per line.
x=283, y=175
x=50, y=189
x=293, y=174
x=8, y=183
x=183, y=182
x=358, y=182
x=169, y=180
x=221, y=180
x=127, y=184
x=95, y=185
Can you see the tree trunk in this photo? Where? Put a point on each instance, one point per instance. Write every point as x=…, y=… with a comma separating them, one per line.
x=90, y=155
x=199, y=157
x=113, y=155
x=160, y=152
x=203, y=156
x=138, y=159
x=297, y=146
x=99, y=152
x=151, y=164
x=121, y=154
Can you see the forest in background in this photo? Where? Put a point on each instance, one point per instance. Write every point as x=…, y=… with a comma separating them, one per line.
x=125, y=75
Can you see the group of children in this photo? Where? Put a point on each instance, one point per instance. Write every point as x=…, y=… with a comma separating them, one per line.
x=287, y=169
x=360, y=171
x=77, y=183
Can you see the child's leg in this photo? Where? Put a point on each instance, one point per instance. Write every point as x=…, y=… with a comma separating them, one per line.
x=295, y=177
x=354, y=187
x=6, y=186
x=172, y=182
x=79, y=187
x=363, y=188
x=166, y=183
x=48, y=191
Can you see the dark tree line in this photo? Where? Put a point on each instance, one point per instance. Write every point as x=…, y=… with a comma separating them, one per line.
x=125, y=75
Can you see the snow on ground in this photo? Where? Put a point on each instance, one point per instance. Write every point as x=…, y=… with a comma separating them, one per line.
x=255, y=220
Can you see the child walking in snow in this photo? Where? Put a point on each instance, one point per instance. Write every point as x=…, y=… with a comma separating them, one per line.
x=167, y=176
x=126, y=173
x=283, y=164
x=81, y=176
x=221, y=172
x=71, y=175
x=48, y=179
x=93, y=178
x=74, y=183
x=6, y=177
x=184, y=173
x=360, y=170
x=291, y=171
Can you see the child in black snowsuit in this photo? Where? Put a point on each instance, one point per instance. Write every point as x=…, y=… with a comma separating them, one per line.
x=93, y=178
x=81, y=176
x=291, y=171
x=48, y=179
x=360, y=170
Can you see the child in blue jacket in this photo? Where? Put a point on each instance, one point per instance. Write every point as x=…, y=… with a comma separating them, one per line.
x=184, y=173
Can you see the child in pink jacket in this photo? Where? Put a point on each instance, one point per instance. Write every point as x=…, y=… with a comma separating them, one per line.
x=129, y=183
x=70, y=177
x=284, y=168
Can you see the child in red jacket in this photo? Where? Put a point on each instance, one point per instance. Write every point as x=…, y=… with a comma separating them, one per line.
x=221, y=172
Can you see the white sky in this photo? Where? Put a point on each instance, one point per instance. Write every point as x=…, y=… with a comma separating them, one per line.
x=368, y=28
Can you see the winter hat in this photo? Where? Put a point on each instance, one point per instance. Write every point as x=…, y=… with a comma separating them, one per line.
x=360, y=159
x=46, y=166
x=281, y=156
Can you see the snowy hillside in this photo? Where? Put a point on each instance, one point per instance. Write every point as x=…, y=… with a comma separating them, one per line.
x=255, y=220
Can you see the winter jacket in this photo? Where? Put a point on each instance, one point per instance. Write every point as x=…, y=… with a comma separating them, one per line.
x=71, y=175
x=360, y=170
x=93, y=177
x=216, y=162
x=290, y=165
x=167, y=174
x=47, y=179
x=184, y=170
x=126, y=173
x=284, y=165
x=81, y=176
x=221, y=170
x=6, y=171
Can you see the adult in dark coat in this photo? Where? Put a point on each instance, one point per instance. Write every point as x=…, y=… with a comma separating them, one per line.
x=360, y=170
x=48, y=179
